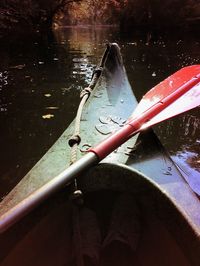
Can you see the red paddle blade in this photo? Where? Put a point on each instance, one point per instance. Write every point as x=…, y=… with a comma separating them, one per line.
x=186, y=102
x=168, y=87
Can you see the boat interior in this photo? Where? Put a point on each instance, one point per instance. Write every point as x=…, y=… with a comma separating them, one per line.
x=121, y=219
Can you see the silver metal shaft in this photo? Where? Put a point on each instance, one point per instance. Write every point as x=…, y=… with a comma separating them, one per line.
x=41, y=194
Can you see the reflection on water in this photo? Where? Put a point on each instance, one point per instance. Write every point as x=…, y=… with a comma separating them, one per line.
x=40, y=84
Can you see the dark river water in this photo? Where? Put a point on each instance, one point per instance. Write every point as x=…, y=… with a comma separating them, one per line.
x=40, y=83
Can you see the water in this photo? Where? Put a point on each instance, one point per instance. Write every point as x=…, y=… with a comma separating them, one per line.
x=40, y=83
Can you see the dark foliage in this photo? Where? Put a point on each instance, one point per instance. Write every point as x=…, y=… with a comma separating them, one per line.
x=31, y=16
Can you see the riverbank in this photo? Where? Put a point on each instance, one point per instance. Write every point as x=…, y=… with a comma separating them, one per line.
x=30, y=19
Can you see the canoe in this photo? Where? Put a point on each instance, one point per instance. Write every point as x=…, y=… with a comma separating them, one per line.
x=135, y=208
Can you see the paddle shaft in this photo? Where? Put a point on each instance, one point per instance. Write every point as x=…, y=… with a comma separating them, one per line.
x=37, y=197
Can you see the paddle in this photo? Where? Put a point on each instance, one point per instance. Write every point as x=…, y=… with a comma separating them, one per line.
x=177, y=94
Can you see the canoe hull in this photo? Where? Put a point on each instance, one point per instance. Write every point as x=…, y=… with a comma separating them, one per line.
x=136, y=206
